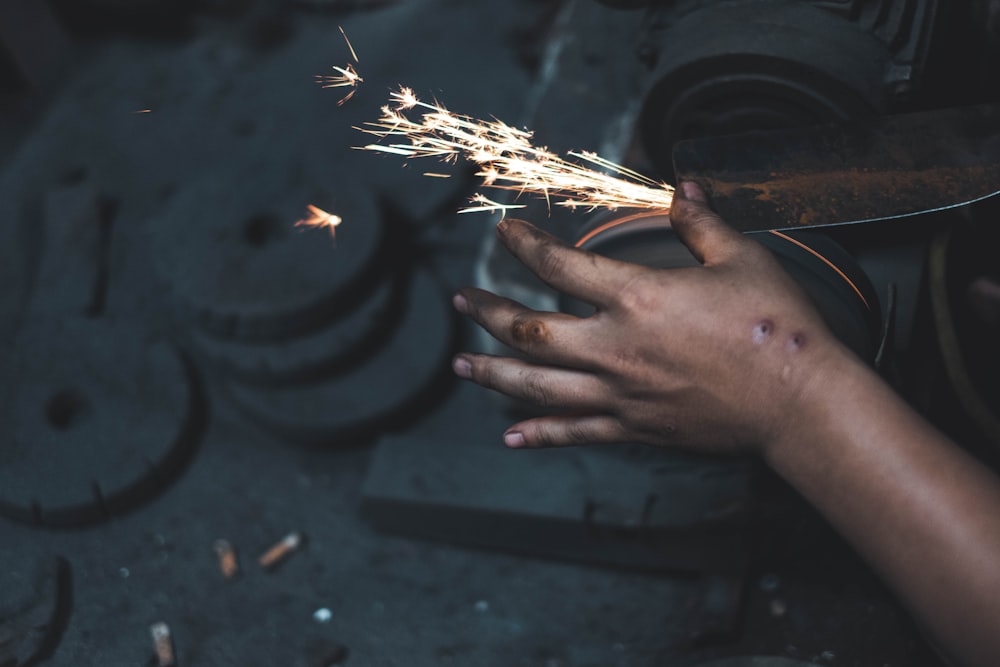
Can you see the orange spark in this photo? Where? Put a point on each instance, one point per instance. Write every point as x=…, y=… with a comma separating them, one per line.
x=354, y=53
x=486, y=204
x=509, y=161
x=320, y=218
x=144, y=111
x=346, y=76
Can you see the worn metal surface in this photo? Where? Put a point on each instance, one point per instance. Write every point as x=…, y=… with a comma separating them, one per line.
x=872, y=170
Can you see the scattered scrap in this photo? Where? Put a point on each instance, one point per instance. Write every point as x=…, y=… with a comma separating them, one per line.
x=163, y=643
x=228, y=563
x=288, y=545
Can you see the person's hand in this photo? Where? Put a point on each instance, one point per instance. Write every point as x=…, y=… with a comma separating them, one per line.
x=709, y=357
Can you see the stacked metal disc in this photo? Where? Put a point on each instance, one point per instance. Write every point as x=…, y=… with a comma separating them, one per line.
x=317, y=334
x=100, y=409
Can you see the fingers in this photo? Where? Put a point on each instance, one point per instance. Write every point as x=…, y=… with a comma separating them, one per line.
x=566, y=430
x=583, y=275
x=551, y=338
x=704, y=233
x=542, y=385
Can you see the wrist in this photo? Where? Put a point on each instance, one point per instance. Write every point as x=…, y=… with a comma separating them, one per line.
x=827, y=381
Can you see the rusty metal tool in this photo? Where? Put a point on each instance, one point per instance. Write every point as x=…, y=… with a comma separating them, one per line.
x=874, y=169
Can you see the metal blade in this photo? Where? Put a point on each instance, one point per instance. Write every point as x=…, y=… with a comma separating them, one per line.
x=882, y=168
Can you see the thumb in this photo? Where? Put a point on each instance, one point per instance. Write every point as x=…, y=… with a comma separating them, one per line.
x=699, y=228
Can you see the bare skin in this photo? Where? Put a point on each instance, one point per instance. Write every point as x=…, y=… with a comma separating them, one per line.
x=732, y=357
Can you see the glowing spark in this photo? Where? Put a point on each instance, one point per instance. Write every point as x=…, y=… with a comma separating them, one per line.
x=405, y=99
x=354, y=54
x=345, y=76
x=434, y=174
x=509, y=161
x=144, y=111
x=489, y=205
x=320, y=218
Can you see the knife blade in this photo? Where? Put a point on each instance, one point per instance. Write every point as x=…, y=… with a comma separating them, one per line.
x=876, y=169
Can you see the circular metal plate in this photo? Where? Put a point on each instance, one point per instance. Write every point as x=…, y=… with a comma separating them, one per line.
x=388, y=387
x=97, y=420
x=240, y=268
x=314, y=355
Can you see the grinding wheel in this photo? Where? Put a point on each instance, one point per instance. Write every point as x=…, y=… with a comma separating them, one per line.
x=396, y=381
x=337, y=346
x=97, y=419
x=239, y=267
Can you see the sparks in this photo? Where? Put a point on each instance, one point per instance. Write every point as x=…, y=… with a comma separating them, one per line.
x=488, y=205
x=354, y=54
x=509, y=161
x=345, y=76
x=320, y=218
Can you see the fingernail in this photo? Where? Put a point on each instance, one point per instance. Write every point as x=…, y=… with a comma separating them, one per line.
x=462, y=368
x=513, y=439
x=461, y=303
x=693, y=192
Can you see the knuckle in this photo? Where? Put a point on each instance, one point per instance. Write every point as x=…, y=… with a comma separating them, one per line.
x=627, y=357
x=536, y=389
x=638, y=297
x=681, y=209
x=484, y=372
x=578, y=434
x=551, y=260
x=544, y=437
x=692, y=212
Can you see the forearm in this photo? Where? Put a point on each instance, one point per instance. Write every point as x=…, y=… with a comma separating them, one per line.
x=924, y=513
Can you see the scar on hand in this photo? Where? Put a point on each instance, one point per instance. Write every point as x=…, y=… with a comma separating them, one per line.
x=529, y=331
x=762, y=332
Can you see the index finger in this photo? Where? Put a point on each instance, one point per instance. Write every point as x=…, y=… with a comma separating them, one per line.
x=577, y=273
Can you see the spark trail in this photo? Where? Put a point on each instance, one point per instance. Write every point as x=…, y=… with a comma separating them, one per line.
x=345, y=77
x=509, y=161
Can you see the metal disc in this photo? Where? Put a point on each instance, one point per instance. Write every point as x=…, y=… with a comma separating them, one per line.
x=239, y=267
x=393, y=383
x=310, y=356
x=97, y=420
